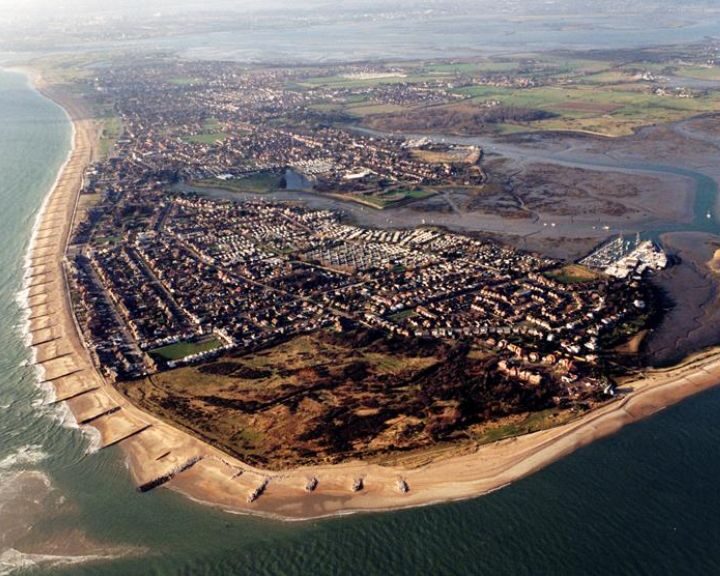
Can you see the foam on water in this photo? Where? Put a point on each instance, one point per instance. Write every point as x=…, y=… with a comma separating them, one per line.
x=23, y=295
x=60, y=413
x=28, y=455
x=13, y=560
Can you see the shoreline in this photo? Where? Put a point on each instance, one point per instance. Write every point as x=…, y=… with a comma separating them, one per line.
x=24, y=294
x=158, y=453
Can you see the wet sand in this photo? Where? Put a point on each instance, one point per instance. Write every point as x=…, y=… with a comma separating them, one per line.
x=160, y=454
x=693, y=287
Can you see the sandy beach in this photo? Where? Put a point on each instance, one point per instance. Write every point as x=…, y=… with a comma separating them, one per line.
x=159, y=454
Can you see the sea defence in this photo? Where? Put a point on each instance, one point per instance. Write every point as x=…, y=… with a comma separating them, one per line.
x=159, y=454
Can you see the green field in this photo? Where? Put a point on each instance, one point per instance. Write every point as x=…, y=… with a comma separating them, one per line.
x=584, y=95
x=343, y=82
x=211, y=133
x=111, y=131
x=528, y=424
x=260, y=183
x=609, y=110
x=392, y=197
x=574, y=274
x=182, y=350
x=371, y=109
x=183, y=81
x=699, y=72
x=400, y=316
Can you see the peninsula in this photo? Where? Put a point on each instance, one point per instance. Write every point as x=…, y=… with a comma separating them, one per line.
x=275, y=357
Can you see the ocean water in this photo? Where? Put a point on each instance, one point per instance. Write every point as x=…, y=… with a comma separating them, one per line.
x=645, y=501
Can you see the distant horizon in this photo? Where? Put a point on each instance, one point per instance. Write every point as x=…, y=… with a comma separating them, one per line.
x=316, y=31
x=79, y=10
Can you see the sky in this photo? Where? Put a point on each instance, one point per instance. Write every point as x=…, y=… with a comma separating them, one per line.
x=53, y=9
x=57, y=24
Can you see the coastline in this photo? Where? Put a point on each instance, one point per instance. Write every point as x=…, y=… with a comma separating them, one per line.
x=160, y=454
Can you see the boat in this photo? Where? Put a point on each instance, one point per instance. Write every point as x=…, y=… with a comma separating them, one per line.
x=358, y=485
x=311, y=484
x=708, y=215
x=402, y=486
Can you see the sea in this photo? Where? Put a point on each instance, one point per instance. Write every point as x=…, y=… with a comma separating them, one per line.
x=645, y=501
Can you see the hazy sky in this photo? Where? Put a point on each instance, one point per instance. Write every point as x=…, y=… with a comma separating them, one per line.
x=70, y=9
x=24, y=9
x=48, y=24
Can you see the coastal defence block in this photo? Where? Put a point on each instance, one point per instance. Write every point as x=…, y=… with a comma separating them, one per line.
x=214, y=474
x=158, y=453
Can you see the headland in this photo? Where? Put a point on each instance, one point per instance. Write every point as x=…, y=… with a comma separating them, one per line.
x=161, y=454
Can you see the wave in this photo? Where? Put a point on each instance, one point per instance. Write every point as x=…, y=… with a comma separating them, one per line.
x=28, y=455
x=62, y=415
x=23, y=295
x=12, y=560
x=59, y=412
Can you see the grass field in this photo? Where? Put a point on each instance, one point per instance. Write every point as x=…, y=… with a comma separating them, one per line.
x=182, y=81
x=699, y=72
x=574, y=274
x=584, y=95
x=184, y=349
x=524, y=424
x=394, y=197
x=343, y=82
x=211, y=133
x=112, y=129
x=400, y=316
x=260, y=183
x=370, y=109
x=603, y=109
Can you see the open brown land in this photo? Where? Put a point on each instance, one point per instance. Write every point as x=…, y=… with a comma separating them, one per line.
x=573, y=198
x=329, y=397
x=161, y=453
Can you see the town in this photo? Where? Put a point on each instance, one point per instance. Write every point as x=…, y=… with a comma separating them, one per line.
x=221, y=125
x=165, y=277
x=204, y=277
